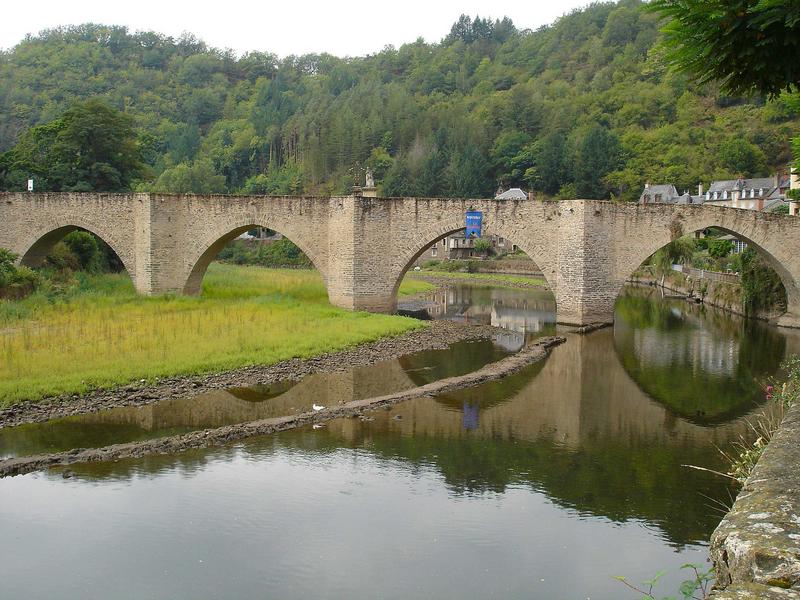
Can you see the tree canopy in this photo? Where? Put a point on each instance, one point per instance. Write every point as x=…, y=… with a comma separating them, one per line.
x=587, y=104
x=91, y=147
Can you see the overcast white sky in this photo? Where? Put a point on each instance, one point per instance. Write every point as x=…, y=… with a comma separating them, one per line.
x=343, y=27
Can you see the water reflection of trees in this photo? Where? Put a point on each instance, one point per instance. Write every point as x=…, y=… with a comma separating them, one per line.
x=703, y=364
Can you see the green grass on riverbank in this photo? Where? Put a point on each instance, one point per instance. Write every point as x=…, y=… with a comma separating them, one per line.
x=100, y=333
x=498, y=278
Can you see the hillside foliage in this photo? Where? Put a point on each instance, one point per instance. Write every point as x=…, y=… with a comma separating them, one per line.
x=584, y=107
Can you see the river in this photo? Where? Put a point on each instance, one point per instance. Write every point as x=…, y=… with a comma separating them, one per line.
x=546, y=484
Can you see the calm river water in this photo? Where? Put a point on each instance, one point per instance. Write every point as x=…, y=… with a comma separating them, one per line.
x=544, y=485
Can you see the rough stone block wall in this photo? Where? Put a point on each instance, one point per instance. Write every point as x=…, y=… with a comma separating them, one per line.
x=362, y=246
x=637, y=230
x=757, y=544
x=32, y=223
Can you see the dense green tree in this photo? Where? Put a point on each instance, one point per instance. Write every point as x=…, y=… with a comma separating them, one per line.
x=198, y=177
x=85, y=248
x=398, y=181
x=467, y=174
x=91, y=147
x=719, y=248
x=550, y=164
x=504, y=153
x=762, y=288
x=598, y=154
x=748, y=46
x=741, y=157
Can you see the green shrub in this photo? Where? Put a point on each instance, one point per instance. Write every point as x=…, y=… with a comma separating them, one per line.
x=62, y=259
x=720, y=248
x=85, y=248
x=15, y=282
x=280, y=253
x=781, y=209
x=451, y=265
x=483, y=246
x=7, y=266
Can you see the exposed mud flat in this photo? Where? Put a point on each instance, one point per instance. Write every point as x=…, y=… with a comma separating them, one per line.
x=223, y=435
x=438, y=335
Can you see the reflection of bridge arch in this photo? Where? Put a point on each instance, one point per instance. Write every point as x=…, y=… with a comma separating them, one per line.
x=576, y=426
x=696, y=371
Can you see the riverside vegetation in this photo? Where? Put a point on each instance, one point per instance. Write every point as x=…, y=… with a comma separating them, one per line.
x=86, y=330
x=758, y=293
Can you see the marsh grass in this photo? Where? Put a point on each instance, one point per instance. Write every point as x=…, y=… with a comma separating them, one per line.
x=492, y=277
x=100, y=333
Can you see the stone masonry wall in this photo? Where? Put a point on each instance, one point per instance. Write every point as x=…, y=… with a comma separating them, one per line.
x=756, y=548
x=585, y=249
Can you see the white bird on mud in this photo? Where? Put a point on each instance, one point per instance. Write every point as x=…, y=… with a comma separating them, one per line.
x=317, y=407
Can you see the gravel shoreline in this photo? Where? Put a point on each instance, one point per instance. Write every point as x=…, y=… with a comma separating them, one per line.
x=222, y=435
x=438, y=335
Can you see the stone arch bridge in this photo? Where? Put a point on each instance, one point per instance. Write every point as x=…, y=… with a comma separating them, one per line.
x=362, y=246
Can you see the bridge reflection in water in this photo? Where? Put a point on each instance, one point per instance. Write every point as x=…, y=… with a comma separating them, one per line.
x=523, y=478
x=524, y=313
x=603, y=425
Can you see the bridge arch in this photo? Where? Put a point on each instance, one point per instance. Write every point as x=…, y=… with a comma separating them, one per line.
x=206, y=248
x=39, y=243
x=736, y=222
x=435, y=232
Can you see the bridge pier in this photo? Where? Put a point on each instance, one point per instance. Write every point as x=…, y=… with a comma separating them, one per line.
x=791, y=318
x=586, y=285
x=359, y=250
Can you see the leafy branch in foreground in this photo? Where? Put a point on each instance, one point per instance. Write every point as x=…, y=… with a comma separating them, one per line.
x=696, y=588
x=747, y=45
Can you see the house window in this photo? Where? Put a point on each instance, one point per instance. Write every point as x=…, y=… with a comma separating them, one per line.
x=658, y=197
x=646, y=198
x=725, y=195
x=434, y=251
x=501, y=242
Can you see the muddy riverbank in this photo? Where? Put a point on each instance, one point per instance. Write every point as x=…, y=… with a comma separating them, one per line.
x=223, y=435
x=438, y=335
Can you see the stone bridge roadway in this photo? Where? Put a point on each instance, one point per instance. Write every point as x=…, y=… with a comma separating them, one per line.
x=363, y=246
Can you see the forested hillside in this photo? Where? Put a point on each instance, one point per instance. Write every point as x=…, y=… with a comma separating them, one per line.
x=585, y=107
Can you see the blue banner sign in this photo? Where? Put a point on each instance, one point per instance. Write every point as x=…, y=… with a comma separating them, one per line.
x=474, y=222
